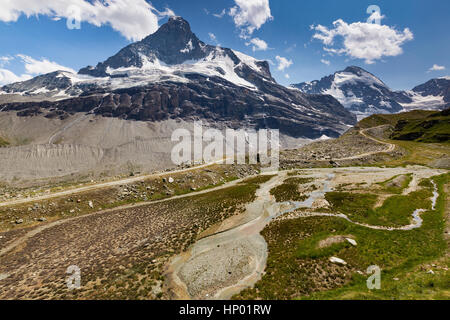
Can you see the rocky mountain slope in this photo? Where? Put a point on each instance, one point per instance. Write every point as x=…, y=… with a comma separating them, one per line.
x=432, y=95
x=171, y=74
x=364, y=94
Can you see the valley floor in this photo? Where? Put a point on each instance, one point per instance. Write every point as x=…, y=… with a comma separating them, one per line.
x=230, y=232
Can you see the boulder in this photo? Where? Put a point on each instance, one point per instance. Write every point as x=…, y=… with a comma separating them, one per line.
x=338, y=261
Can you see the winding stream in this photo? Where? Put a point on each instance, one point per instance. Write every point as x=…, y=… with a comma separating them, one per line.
x=235, y=256
x=417, y=216
x=223, y=264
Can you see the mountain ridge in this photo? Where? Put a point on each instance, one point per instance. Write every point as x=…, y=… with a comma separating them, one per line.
x=358, y=90
x=364, y=94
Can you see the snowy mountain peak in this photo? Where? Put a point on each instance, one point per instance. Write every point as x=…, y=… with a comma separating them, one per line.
x=364, y=94
x=173, y=43
x=178, y=20
x=434, y=86
x=357, y=90
x=172, y=54
x=359, y=75
x=356, y=70
x=175, y=51
x=433, y=95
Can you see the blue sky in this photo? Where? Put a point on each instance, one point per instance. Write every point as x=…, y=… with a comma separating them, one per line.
x=413, y=36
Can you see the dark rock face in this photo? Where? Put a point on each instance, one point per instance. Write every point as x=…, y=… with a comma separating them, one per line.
x=402, y=97
x=219, y=100
x=215, y=100
x=358, y=90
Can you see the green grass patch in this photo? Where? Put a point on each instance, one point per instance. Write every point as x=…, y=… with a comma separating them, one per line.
x=309, y=247
x=430, y=129
x=396, y=211
x=289, y=190
x=258, y=180
x=392, y=119
x=297, y=173
x=397, y=184
x=3, y=143
x=423, y=136
x=417, y=153
x=426, y=183
x=351, y=204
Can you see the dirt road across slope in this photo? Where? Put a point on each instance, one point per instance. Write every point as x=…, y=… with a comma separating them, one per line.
x=101, y=185
x=390, y=148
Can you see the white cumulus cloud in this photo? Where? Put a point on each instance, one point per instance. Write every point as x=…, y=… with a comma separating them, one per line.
x=283, y=63
x=7, y=77
x=325, y=62
x=436, y=67
x=362, y=40
x=258, y=44
x=134, y=19
x=250, y=15
x=34, y=67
